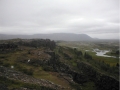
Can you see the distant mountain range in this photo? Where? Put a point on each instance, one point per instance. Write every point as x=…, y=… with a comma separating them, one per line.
x=54, y=36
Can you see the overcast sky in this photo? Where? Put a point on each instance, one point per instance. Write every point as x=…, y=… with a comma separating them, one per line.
x=96, y=18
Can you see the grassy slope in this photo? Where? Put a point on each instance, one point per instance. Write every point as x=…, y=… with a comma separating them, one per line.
x=9, y=59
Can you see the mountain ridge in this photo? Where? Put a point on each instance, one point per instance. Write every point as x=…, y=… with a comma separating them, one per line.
x=53, y=36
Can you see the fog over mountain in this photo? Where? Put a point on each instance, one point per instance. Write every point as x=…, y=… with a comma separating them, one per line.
x=54, y=36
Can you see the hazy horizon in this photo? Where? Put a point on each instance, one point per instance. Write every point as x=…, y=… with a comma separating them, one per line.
x=98, y=19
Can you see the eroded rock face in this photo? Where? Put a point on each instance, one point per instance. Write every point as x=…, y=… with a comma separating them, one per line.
x=107, y=83
x=8, y=46
x=102, y=81
x=38, y=43
x=88, y=71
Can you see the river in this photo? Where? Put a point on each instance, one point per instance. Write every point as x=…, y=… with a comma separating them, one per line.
x=102, y=53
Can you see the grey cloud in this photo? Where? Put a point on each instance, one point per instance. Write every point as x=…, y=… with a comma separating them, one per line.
x=51, y=16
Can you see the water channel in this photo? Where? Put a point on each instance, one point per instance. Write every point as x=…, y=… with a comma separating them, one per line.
x=102, y=53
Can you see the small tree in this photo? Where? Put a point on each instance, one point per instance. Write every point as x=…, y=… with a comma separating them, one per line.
x=87, y=56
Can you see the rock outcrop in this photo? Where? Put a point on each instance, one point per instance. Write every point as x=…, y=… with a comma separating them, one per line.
x=15, y=75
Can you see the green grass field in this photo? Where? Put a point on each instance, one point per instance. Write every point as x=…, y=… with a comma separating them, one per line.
x=83, y=46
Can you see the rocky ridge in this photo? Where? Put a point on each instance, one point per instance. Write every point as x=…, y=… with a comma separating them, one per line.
x=15, y=75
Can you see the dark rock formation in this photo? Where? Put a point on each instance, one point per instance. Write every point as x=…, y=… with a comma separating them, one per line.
x=102, y=81
x=47, y=43
x=3, y=87
x=107, y=83
x=86, y=73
